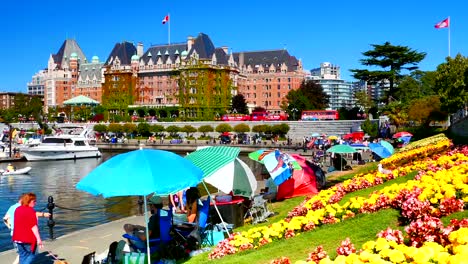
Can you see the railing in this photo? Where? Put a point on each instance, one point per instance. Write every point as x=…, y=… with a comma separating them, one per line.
x=51, y=206
x=459, y=115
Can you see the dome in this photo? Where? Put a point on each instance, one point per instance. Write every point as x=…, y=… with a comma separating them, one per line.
x=73, y=55
x=135, y=58
x=184, y=53
x=95, y=59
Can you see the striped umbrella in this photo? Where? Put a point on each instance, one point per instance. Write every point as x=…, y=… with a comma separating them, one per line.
x=211, y=159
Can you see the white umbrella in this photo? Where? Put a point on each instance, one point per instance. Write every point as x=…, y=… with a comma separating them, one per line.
x=236, y=177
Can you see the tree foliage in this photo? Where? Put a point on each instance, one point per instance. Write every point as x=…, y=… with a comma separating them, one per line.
x=364, y=101
x=143, y=129
x=416, y=85
x=188, y=129
x=205, y=129
x=221, y=128
x=425, y=110
x=238, y=103
x=129, y=128
x=115, y=127
x=241, y=128
x=392, y=60
x=309, y=96
x=451, y=83
x=397, y=113
x=101, y=128
x=370, y=128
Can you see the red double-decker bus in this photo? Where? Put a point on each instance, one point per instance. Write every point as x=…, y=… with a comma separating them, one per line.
x=235, y=117
x=313, y=115
x=265, y=116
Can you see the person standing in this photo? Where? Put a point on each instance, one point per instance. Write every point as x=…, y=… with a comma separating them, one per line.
x=26, y=232
x=9, y=218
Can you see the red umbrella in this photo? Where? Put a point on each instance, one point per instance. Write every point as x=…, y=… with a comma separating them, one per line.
x=402, y=134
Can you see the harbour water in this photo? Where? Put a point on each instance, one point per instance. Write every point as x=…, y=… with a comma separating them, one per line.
x=75, y=210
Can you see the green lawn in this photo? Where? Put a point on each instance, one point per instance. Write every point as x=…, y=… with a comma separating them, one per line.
x=362, y=228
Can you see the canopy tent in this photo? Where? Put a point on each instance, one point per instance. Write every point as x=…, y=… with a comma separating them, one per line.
x=81, y=100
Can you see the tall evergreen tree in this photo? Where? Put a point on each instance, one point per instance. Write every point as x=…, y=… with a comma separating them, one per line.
x=238, y=103
x=392, y=60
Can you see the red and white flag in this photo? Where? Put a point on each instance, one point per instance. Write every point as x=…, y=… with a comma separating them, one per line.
x=165, y=19
x=443, y=24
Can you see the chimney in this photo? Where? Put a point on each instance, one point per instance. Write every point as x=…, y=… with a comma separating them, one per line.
x=225, y=48
x=190, y=41
x=241, y=59
x=140, y=49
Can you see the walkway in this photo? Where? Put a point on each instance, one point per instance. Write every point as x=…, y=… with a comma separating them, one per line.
x=74, y=246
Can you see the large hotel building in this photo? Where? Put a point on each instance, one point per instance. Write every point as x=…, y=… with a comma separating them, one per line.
x=193, y=75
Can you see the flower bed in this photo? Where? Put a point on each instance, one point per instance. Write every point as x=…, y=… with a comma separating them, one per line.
x=323, y=208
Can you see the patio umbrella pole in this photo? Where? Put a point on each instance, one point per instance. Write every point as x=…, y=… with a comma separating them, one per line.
x=216, y=207
x=147, y=232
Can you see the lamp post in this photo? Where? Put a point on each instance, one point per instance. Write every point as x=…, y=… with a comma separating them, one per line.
x=294, y=110
x=234, y=111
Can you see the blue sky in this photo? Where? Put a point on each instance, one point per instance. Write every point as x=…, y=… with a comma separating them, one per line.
x=313, y=31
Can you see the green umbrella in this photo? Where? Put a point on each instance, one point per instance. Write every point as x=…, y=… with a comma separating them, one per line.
x=211, y=159
x=341, y=149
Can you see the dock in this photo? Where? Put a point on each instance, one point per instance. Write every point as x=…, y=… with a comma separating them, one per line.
x=74, y=246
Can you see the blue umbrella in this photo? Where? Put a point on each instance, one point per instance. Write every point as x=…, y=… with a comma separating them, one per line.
x=142, y=172
x=380, y=150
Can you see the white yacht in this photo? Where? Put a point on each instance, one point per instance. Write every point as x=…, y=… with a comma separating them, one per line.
x=69, y=142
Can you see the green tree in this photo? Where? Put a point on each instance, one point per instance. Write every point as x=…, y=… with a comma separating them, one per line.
x=172, y=130
x=157, y=129
x=451, y=83
x=205, y=129
x=143, y=129
x=417, y=85
x=241, y=128
x=101, y=128
x=364, y=101
x=115, y=127
x=309, y=96
x=280, y=129
x=238, y=103
x=221, y=128
x=425, y=110
x=392, y=60
x=188, y=129
x=371, y=128
x=129, y=128
x=397, y=113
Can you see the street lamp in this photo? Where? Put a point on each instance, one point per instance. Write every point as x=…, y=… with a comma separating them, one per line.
x=234, y=111
x=294, y=110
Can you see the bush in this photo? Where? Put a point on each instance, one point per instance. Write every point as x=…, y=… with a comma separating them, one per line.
x=223, y=128
x=371, y=128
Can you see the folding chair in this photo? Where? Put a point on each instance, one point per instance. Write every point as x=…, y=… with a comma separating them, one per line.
x=89, y=259
x=165, y=223
x=259, y=210
x=203, y=225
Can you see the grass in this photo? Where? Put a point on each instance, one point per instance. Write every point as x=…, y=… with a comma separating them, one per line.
x=360, y=229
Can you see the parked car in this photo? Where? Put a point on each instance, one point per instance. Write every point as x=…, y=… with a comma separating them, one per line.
x=225, y=139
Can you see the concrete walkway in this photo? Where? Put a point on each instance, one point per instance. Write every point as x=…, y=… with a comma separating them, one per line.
x=74, y=246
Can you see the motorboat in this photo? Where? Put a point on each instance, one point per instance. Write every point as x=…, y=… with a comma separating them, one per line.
x=24, y=170
x=68, y=142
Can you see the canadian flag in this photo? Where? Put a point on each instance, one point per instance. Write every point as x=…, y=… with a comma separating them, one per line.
x=165, y=19
x=443, y=24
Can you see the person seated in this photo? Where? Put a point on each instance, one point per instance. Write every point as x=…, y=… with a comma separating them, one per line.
x=192, y=206
x=138, y=231
x=270, y=190
x=10, y=168
x=339, y=162
x=177, y=202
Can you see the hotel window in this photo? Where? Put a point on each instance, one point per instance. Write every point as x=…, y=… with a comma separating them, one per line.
x=279, y=87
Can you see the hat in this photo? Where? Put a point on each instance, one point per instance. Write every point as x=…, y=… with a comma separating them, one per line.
x=155, y=200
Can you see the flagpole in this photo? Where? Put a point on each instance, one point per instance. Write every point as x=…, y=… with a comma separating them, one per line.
x=449, y=26
x=169, y=31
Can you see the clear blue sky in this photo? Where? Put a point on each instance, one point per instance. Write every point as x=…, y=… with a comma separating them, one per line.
x=313, y=31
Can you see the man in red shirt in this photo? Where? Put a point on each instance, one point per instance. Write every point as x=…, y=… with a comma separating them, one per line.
x=26, y=232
